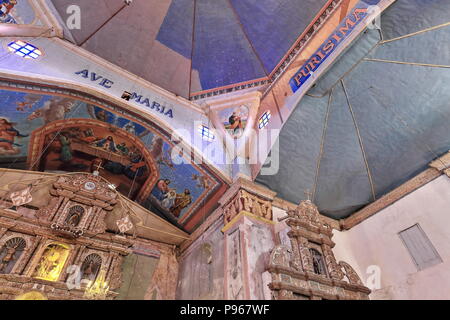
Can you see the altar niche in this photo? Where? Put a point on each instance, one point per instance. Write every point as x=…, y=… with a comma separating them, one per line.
x=10, y=254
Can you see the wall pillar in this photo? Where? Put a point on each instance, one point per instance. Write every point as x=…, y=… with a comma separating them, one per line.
x=249, y=239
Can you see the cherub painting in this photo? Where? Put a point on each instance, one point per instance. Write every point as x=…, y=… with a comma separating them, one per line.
x=235, y=122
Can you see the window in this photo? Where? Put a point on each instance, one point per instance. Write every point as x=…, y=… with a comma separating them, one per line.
x=420, y=247
x=24, y=49
x=206, y=133
x=264, y=120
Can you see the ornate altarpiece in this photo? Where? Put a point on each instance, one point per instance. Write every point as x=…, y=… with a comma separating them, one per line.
x=309, y=270
x=50, y=250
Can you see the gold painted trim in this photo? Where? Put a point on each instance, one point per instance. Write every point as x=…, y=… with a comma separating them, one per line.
x=247, y=214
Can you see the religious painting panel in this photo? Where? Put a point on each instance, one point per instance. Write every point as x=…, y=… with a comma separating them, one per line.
x=65, y=131
x=52, y=262
x=235, y=120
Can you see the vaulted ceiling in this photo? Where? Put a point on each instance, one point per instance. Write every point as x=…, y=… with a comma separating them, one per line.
x=188, y=46
x=376, y=118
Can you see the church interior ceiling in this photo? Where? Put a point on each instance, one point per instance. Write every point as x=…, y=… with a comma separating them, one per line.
x=190, y=46
x=59, y=133
x=376, y=118
x=371, y=123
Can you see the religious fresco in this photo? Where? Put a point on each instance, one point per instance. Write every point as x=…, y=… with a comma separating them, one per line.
x=235, y=120
x=16, y=12
x=57, y=133
x=95, y=148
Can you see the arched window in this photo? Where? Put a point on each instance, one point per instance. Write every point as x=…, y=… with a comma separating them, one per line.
x=318, y=262
x=74, y=216
x=91, y=267
x=10, y=254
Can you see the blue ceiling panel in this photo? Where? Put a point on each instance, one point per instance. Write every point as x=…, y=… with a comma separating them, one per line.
x=222, y=53
x=273, y=26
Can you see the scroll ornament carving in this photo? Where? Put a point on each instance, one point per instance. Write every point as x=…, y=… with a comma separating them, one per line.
x=280, y=256
x=305, y=254
x=350, y=273
x=116, y=276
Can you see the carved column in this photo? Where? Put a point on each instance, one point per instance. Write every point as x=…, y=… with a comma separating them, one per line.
x=330, y=261
x=249, y=237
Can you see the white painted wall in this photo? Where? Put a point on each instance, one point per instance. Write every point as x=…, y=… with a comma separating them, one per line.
x=376, y=242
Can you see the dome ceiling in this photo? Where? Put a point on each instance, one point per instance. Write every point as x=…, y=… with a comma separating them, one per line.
x=376, y=119
x=189, y=46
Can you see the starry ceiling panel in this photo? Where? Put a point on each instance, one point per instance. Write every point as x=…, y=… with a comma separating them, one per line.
x=187, y=46
x=177, y=30
x=222, y=53
x=273, y=26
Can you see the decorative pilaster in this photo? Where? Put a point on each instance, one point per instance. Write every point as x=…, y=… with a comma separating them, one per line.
x=249, y=237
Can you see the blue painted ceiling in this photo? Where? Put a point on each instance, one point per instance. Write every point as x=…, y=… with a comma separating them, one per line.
x=188, y=46
x=368, y=126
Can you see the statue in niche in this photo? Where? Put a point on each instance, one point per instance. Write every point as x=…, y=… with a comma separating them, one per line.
x=91, y=267
x=318, y=264
x=74, y=217
x=10, y=254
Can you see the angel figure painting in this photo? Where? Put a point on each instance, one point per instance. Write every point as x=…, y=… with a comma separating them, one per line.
x=235, y=121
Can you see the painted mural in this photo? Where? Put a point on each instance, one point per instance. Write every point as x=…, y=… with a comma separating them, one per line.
x=235, y=120
x=57, y=133
x=16, y=12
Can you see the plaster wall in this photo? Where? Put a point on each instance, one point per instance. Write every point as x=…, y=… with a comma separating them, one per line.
x=201, y=273
x=375, y=242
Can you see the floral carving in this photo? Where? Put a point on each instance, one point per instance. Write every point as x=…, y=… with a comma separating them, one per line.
x=246, y=201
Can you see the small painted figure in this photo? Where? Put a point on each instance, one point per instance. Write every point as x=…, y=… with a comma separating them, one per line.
x=182, y=200
x=107, y=144
x=235, y=123
x=66, y=151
